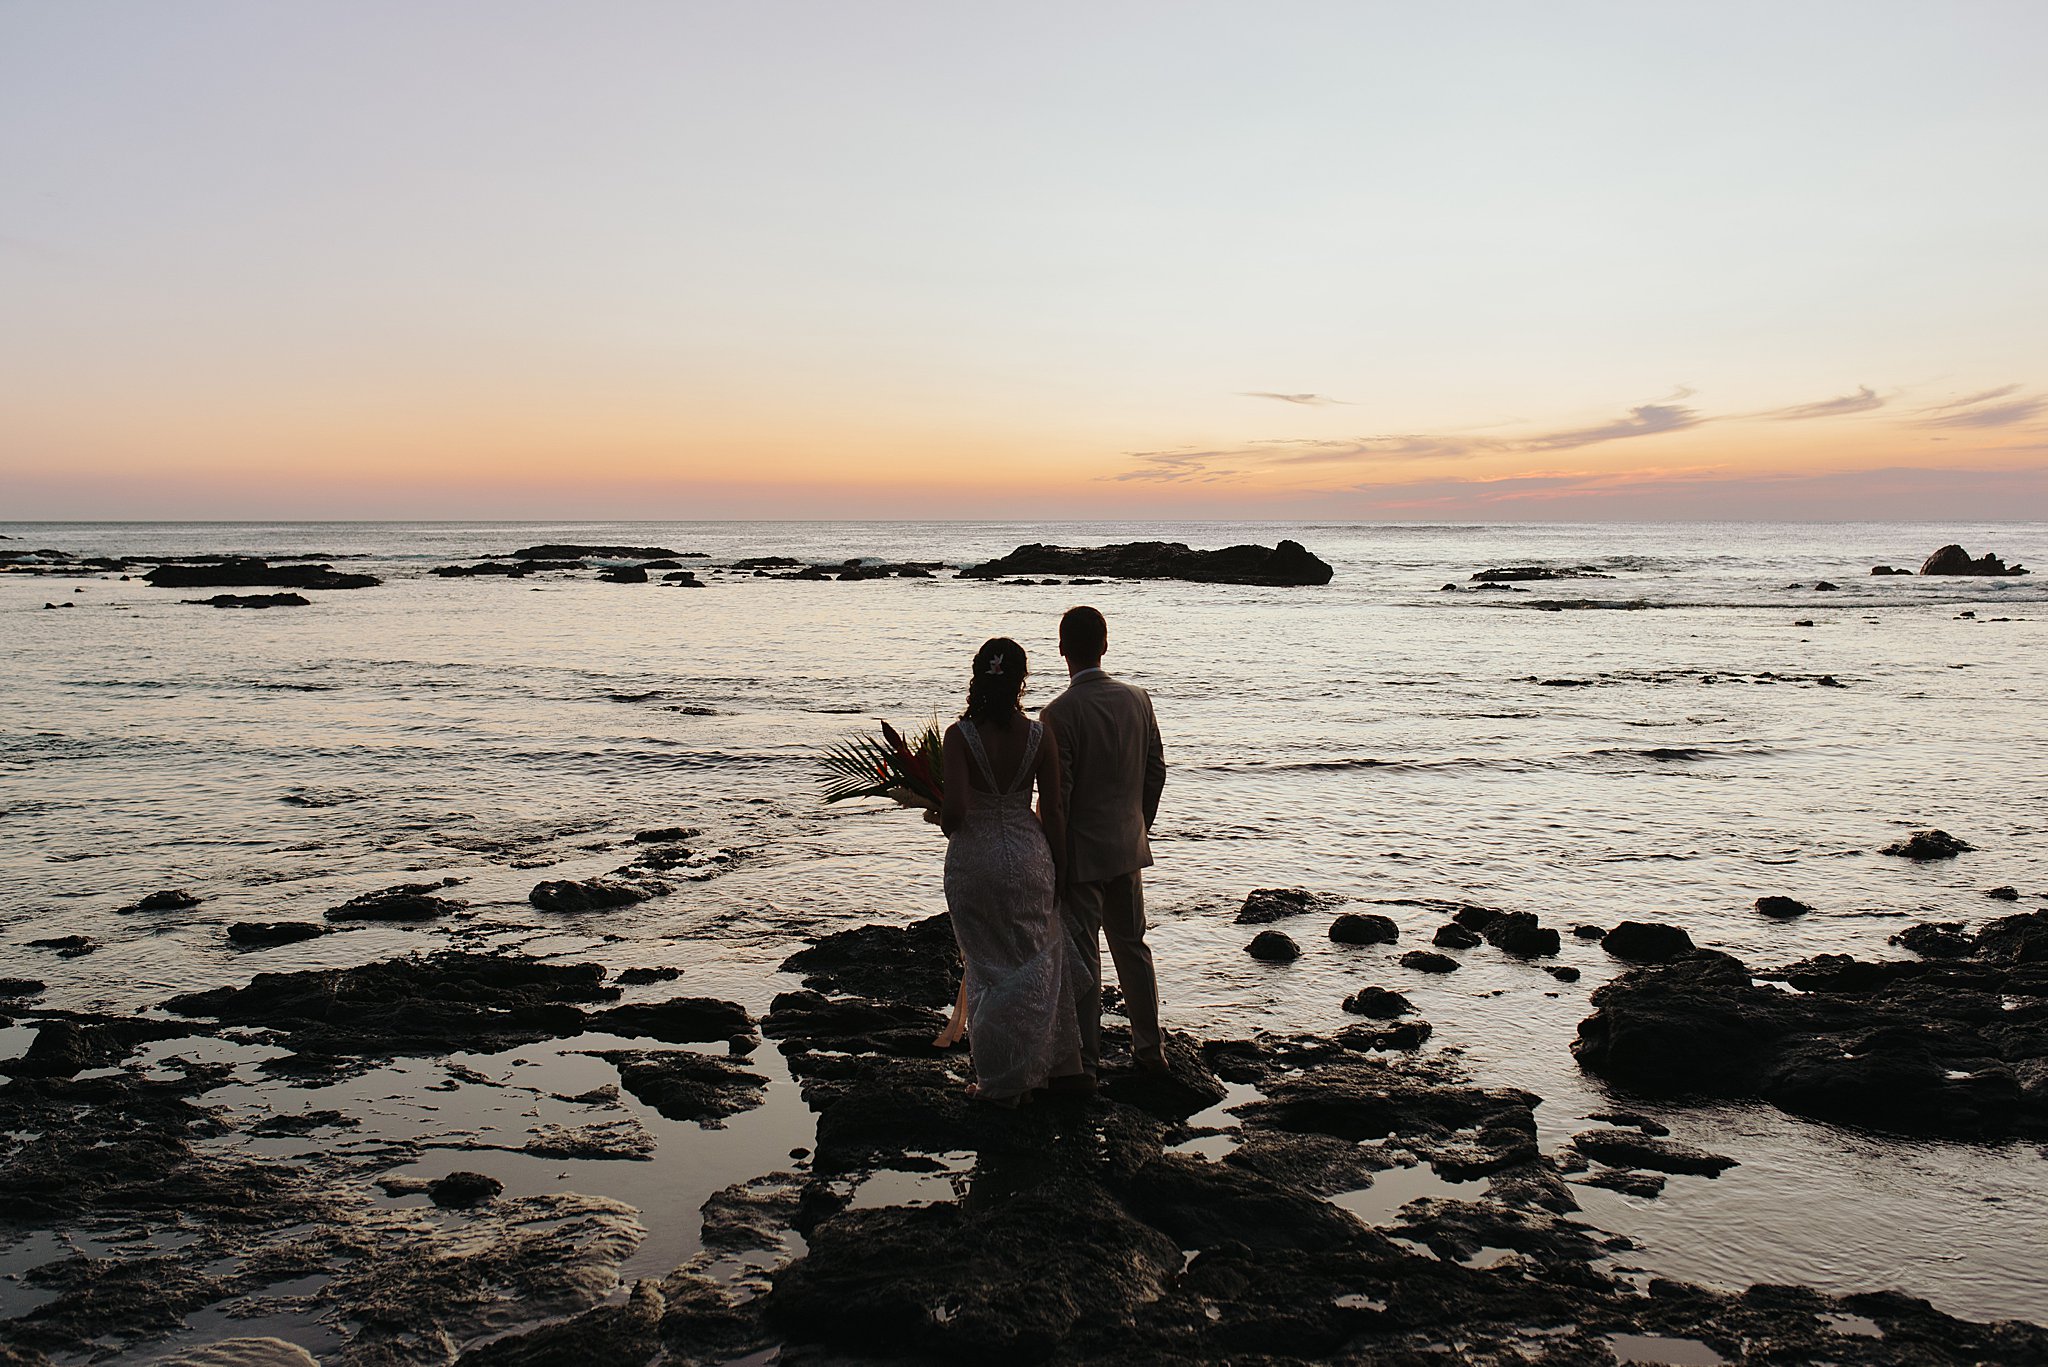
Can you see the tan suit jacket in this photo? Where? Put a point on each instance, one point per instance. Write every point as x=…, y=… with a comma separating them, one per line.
x=1112, y=770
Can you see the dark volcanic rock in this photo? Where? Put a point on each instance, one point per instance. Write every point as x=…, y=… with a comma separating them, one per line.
x=248, y=571
x=624, y=574
x=2020, y=939
x=1423, y=961
x=609, y=1334
x=590, y=894
x=1370, y=928
x=66, y=946
x=1909, y=1046
x=1781, y=908
x=1520, y=934
x=1647, y=942
x=262, y=934
x=1589, y=932
x=1273, y=946
x=1289, y=563
x=665, y=835
x=1882, y=570
x=1378, y=1002
x=684, y=1085
x=64, y=1047
x=1368, y=1038
x=20, y=988
x=1625, y=1150
x=1925, y=845
x=2006, y=893
x=405, y=902
x=554, y=551
x=173, y=899
x=436, y=1004
x=1463, y=1131
x=1937, y=940
x=252, y=600
x=460, y=1190
x=680, y=1020
x=1263, y=906
x=636, y=977
x=918, y=963
x=1953, y=559
x=1451, y=935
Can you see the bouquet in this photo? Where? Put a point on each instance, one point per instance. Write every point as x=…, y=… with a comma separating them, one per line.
x=905, y=772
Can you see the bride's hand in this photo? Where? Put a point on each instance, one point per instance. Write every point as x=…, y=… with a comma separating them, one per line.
x=931, y=816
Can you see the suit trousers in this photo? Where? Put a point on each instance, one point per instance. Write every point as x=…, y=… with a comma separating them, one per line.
x=1113, y=909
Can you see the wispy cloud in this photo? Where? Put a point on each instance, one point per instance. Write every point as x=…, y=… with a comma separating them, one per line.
x=1973, y=400
x=1309, y=400
x=1989, y=415
x=1349, y=450
x=1646, y=421
x=1178, y=467
x=1862, y=401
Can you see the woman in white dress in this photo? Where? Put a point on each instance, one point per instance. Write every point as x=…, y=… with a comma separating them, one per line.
x=1001, y=872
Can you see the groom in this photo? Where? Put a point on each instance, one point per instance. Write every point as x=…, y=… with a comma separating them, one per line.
x=1111, y=774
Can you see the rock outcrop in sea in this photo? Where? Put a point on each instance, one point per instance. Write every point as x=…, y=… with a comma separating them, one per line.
x=1288, y=564
x=1953, y=559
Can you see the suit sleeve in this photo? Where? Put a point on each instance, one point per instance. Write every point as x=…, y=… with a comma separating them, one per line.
x=1155, y=765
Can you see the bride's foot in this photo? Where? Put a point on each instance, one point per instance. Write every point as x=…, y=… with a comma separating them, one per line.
x=947, y=1038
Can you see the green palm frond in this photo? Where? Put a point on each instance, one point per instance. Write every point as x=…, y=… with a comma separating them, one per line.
x=893, y=766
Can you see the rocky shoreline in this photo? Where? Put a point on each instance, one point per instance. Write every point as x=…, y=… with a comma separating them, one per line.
x=1232, y=1209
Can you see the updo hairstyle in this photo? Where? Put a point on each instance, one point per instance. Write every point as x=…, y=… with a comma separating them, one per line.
x=998, y=683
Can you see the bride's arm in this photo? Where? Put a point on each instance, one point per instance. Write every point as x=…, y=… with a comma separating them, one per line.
x=953, y=766
x=1052, y=813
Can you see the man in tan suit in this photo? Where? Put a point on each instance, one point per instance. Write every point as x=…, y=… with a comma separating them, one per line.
x=1111, y=773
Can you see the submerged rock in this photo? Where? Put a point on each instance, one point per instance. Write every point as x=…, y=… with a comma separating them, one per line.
x=1937, y=940
x=252, y=600
x=680, y=1020
x=1926, y=845
x=684, y=1085
x=405, y=902
x=172, y=899
x=589, y=894
x=1522, y=573
x=66, y=946
x=1520, y=934
x=1263, y=906
x=1288, y=564
x=460, y=1190
x=1451, y=935
x=1424, y=961
x=1625, y=1150
x=624, y=574
x=1781, y=908
x=263, y=934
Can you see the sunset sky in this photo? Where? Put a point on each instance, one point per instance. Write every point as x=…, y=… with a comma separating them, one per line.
x=1074, y=260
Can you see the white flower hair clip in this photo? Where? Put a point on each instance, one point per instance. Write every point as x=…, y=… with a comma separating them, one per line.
x=994, y=665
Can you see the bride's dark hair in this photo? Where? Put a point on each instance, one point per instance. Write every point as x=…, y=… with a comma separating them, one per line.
x=999, y=673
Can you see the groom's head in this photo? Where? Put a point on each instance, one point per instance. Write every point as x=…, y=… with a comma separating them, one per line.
x=1084, y=635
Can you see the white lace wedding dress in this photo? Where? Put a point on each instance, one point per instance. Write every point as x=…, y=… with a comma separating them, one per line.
x=1021, y=1025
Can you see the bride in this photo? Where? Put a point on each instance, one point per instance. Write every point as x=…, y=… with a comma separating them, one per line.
x=1002, y=865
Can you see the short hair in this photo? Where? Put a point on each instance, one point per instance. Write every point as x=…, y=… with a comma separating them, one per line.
x=1084, y=635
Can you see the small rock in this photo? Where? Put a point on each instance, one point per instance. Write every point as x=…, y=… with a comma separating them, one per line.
x=1825, y=587
x=625, y=574
x=1518, y=933
x=1925, y=845
x=1647, y=1151
x=1266, y=905
x=1399, y=1035
x=66, y=946
x=1454, y=936
x=1353, y=928
x=1645, y=942
x=1564, y=973
x=666, y=835
x=635, y=977
x=459, y=1190
x=1781, y=908
x=172, y=899
x=1273, y=946
x=1642, y=1184
x=1378, y=1003
x=591, y=894
x=1424, y=961
x=405, y=902
x=1588, y=932
x=2007, y=893
x=259, y=934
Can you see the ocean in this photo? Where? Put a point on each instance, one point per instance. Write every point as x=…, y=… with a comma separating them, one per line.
x=1689, y=726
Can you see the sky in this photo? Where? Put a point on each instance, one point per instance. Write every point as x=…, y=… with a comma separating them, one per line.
x=1477, y=261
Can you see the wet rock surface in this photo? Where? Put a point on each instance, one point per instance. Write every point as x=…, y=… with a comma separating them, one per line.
x=1953, y=559
x=433, y=1004
x=570, y=551
x=1923, y=1047
x=1425, y=961
x=1273, y=947
x=1925, y=845
x=252, y=600
x=1781, y=908
x=1287, y=564
x=405, y=902
x=264, y=934
x=685, y=1085
x=1647, y=942
x=917, y=964
x=238, y=571
x=1364, y=928
x=1263, y=906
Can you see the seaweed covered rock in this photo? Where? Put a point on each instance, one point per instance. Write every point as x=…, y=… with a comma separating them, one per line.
x=918, y=963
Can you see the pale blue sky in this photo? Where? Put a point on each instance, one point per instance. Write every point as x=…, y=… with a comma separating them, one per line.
x=266, y=258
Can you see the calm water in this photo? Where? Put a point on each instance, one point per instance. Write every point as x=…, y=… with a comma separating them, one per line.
x=1376, y=738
